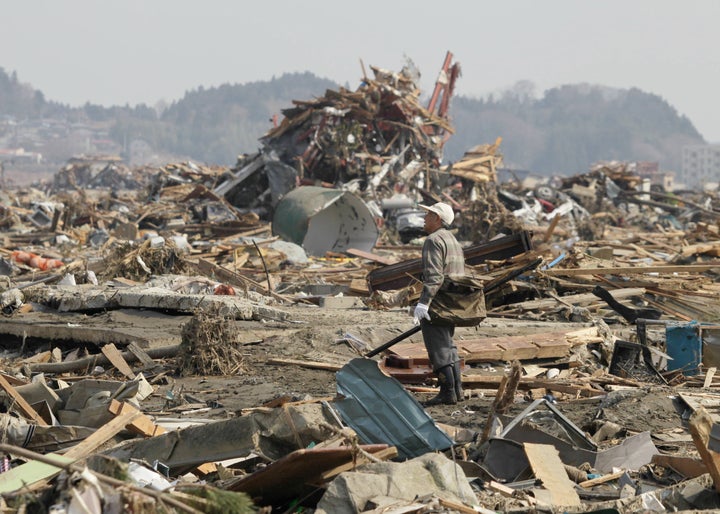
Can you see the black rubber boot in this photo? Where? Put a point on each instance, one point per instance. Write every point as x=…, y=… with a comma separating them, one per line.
x=446, y=396
x=459, y=394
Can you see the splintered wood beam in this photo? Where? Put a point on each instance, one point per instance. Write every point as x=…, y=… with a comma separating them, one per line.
x=700, y=426
x=143, y=425
x=101, y=435
x=116, y=359
x=690, y=268
x=545, y=462
x=22, y=405
x=305, y=364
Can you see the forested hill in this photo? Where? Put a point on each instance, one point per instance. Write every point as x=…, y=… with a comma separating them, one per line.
x=563, y=131
x=572, y=126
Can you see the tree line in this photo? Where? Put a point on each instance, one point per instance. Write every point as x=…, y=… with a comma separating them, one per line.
x=561, y=131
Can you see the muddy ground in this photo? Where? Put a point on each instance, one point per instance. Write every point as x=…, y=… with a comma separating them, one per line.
x=318, y=334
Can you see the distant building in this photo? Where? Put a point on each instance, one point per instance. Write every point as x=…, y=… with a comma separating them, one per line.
x=651, y=171
x=700, y=164
x=20, y=155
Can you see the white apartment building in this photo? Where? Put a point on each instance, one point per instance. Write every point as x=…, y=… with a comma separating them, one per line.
x=700, y=164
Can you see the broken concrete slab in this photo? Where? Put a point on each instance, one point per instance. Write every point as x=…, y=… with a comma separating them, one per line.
x=94, y=298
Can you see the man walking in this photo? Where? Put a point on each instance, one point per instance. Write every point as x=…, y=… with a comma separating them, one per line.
x=442, y=258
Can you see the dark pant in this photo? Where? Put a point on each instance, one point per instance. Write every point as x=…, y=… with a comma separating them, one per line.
x=439, y=344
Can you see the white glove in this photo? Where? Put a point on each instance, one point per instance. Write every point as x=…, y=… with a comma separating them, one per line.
x=421, y=312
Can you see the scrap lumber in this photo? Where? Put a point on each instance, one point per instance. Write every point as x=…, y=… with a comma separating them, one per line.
x=33, y=472
x=456, y=506
x=370, y=256
x=93, y=360
x=577, y=299
x=545, y=462
x=542, y=345
x=143, y=425
x=236, y=279
x=140, y=355
x=306, y=364
x=528, y=383
x=140, y=423
x=24, y=406
x=709, y=377
x=700, y=426
x=504, y=398
x=102, y=434
x=360, y=459
x=635, y=270
x=116, y=359
x=601, y=480
x=689, y=467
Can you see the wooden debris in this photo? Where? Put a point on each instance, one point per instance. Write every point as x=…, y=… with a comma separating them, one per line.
x=115, y=357
x=549, y=469
x=700, y=427
x=601, y=480
x=503, y=399
x=24, y=406
x=305, y=364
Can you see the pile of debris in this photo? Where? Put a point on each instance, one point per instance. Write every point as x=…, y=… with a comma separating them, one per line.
x=187, y=340
x=378, y=138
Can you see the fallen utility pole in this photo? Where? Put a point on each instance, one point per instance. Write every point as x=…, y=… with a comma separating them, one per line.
x=100, y=359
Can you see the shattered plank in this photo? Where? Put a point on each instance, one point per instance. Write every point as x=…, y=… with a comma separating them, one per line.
x=700, y=426
x=545, y=462
x=370, y=256
x=143, y=425
x=526, y=383
x=116, y=359
x=456, y=506
x=709, y=377
x=386, y=454
x=687, y=268
x=688, y=467
x=23, y=405
x=306, y=364
x=102, y=434
x=578, y=299
x=531, y=346
x=601, y=480
x=79, y=364
x=140, y=424
x=141, y=355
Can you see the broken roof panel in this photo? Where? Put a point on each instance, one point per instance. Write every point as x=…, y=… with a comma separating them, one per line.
x=380, y=410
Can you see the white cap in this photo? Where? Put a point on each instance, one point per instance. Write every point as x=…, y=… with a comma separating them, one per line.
x=443, y=210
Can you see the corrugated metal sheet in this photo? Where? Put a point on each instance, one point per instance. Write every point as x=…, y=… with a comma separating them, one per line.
x=322, y=220
x=380, y=410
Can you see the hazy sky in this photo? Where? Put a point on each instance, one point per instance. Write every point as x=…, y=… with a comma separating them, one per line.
x=141, y=51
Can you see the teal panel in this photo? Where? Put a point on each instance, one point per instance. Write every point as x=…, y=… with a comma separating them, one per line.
x=684, y=344
x=380, y=410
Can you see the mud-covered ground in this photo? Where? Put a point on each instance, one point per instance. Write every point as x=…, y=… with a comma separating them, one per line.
x=318, y=334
